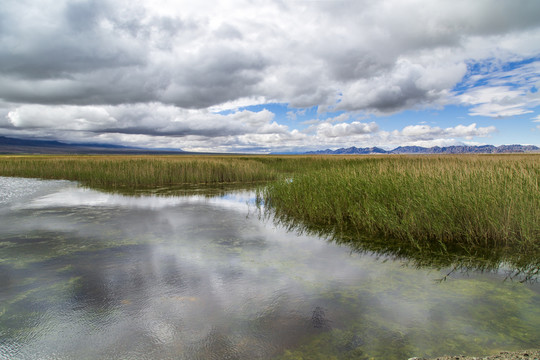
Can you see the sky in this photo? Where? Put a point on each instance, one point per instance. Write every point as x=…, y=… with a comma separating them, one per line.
x=271, y=76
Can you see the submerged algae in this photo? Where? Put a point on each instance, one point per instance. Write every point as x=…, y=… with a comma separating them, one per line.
x=465, y=324
x=186, y=278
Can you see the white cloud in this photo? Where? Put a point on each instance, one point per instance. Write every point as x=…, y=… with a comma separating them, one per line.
x=61, y=117
x=468, y=132
x=382, y=56
x=143, y=119
x=121, y=69
x=329, y=120
x=421, y=130
x=417, y=135
x=345, y=129
x=165, y=126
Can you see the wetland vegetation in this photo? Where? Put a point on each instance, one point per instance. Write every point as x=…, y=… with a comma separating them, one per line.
x=136, y=172
x=473, y=212
x=104, y=274
x=465, y=208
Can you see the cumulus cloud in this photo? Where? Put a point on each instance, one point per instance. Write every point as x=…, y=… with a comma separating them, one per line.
x=62, y=117
x=132, y=70
x=165, y=126
x=146, y=119
x=358, y=134
x=406, y=85
x=196, y=56
x=424, y=135
x=346, y=129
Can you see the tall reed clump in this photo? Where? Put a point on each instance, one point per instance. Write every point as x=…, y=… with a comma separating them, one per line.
x=464, y=201
x=137, y=171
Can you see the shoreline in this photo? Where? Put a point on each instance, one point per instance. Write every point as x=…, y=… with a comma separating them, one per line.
x=503, y=355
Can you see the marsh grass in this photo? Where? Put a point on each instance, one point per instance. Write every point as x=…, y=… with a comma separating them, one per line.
x=472, y=203
x=137, y=172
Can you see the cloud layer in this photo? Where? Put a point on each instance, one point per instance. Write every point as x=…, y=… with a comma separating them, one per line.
x=125, y=71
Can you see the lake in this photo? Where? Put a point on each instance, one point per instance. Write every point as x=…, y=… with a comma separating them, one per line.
x=86, y=274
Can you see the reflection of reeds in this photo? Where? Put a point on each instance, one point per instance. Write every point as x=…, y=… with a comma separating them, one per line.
x=476, y=204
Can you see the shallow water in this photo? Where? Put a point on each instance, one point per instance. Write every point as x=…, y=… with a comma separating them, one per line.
x=92, y=275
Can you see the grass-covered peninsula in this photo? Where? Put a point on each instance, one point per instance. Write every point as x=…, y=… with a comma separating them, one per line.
x=482, y=200
x=440, y=203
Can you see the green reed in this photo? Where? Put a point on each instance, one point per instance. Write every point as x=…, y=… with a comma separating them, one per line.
x=464, y=201
x=136, y=172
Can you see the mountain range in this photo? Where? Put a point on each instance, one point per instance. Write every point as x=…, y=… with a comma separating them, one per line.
x=27, y=146
x=460, y=149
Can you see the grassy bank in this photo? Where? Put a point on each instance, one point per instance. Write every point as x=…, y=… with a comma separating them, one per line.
x=137, y=172
x=447, y=201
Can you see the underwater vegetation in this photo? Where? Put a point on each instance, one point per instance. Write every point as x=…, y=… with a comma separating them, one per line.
x=144, y=281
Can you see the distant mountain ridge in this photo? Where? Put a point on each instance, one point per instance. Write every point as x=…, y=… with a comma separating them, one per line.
x=457, y=149
x=29, y=146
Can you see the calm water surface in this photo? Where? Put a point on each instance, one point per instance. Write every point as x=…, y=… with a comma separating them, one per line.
x=92, y=275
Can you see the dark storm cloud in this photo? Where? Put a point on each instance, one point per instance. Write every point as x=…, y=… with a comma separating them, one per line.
x=84, y=16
